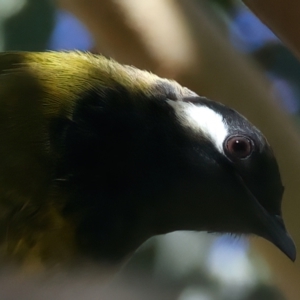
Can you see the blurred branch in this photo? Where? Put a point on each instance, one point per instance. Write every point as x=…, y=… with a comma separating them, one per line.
x=124, y=31
x=177, y=39
x=282, y=16
x=79, y=285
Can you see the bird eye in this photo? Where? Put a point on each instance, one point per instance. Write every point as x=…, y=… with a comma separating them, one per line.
x=238, y=147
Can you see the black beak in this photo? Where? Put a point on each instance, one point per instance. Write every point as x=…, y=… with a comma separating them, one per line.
x=277, y=234
x=271, y=227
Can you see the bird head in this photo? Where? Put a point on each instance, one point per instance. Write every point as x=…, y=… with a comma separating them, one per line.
x=238, y=172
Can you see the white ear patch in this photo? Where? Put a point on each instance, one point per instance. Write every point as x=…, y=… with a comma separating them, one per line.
x=202, y=119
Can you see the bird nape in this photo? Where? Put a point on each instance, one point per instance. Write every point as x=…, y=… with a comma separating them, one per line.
x=97, y=157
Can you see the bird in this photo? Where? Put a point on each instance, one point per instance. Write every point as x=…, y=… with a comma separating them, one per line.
x=96, y=157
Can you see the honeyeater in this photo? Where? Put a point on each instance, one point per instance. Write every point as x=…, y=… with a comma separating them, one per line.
x=96, y=157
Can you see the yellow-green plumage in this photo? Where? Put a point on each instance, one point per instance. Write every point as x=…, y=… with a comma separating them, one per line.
x=34, y=88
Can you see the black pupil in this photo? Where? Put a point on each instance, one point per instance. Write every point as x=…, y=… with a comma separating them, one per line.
x=240, y=147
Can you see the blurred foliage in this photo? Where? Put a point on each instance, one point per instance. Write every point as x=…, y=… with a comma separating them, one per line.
x=279, y=60
x=30, y=28
x=225, y=4
x=265, y=292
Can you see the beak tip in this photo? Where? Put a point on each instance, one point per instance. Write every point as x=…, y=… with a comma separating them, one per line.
x=290, y=251
x=276, y=233
x=286, y=244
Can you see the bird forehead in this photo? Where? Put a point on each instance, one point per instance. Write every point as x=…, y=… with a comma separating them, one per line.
x=202, y=119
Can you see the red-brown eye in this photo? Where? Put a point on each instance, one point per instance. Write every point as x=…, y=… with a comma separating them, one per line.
x=238, y=147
